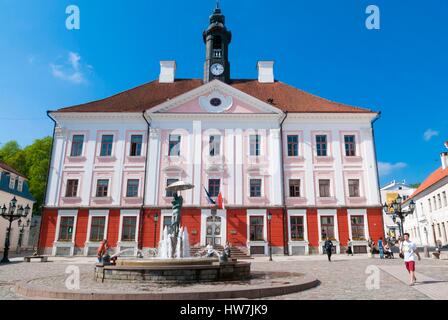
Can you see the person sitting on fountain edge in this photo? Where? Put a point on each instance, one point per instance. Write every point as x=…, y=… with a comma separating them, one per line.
x=102, y=250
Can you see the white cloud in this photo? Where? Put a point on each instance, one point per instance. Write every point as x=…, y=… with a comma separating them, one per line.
x=71, y=71
x=429, y=134
x=386, y=168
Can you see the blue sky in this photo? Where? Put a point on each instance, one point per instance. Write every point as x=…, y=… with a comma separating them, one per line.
x=319, y=46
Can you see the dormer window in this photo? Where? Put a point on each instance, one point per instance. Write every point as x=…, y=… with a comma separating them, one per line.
x=12, y=182
x=20, y=185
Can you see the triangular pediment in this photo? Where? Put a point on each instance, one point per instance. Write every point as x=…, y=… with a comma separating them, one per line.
x=215, y=97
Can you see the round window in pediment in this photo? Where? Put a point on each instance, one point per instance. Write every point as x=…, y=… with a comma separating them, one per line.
x=216, y=102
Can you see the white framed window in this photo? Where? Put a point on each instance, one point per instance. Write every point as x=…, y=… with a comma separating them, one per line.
x=20, y=184
x=174, y=141
x=255, y=187
x=102, y=188
x=77, y=146
x=297, y=225
x=129, y=221
x=328, y=222
x=214, y=145
x=256, y=219
x=65, y=231
x=255, y=145
x=12, y=181
x=97, y=225
x=358, y=226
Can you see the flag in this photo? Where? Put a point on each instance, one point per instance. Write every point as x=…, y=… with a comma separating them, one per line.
x=220, y=201
x=209, y=198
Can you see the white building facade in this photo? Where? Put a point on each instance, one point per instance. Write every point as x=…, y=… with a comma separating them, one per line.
x=269, y=149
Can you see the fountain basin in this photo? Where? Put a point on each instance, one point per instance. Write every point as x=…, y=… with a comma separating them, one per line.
x=173, y=271
x=164, y=262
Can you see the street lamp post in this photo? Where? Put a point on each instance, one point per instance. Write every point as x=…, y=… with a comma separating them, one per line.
x=269, y=231
x=395, y=208
x=22, y=226
x=156, y=219
x=12, y=214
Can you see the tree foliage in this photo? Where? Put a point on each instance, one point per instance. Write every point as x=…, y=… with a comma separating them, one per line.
x=31, y=161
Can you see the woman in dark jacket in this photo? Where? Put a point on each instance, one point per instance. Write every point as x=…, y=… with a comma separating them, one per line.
x=328, y=248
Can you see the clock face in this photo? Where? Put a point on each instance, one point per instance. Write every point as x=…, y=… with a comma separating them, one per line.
x=217, y=69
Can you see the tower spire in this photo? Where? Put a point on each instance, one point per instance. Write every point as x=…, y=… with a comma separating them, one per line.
x=217, y=39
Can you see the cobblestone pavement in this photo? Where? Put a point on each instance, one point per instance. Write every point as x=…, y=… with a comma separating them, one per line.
x=344, y=278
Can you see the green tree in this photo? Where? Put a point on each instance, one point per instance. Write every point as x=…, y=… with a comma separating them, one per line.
x=32, y=162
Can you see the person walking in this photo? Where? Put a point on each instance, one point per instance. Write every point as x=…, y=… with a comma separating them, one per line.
x=349, y=247
x=102, y=250
x=381, y=248
x=328, y=246
x=408, y=249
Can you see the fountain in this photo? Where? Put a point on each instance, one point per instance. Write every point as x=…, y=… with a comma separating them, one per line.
x=173, y=263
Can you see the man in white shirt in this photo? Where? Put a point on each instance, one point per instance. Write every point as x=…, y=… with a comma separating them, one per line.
x=409, y=251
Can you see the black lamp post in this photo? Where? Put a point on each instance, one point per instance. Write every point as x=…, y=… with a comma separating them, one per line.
x=269, y=231
x=11, y=214
x=156, y=219
x=395, y=208
x=22, y=227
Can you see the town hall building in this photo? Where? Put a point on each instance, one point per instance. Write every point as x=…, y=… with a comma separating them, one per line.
x=292, y=168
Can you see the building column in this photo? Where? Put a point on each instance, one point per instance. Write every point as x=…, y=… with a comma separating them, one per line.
x=153, y=167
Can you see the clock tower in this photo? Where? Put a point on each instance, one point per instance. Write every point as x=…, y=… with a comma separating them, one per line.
x=217, y=39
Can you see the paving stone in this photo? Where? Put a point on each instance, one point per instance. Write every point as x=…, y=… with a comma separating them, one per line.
x=345, y=278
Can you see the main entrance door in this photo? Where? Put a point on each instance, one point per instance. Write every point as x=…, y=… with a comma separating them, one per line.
x=213, y=231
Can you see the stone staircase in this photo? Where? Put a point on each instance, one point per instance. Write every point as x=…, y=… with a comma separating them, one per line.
x=239, y=253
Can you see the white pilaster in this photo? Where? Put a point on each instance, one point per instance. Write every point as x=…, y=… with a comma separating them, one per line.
x=370, y=171
x=275, y=167
x=153, y=163
x=197, y=164
x=230, y=160
x=54, y=183
x=309, y=168
x=239, y=167
x=338, y=174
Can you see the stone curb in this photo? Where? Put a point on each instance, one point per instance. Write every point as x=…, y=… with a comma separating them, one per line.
x=305, y=283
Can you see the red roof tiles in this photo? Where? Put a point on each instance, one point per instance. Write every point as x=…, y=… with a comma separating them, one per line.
x=432, y=179
x=278, y=94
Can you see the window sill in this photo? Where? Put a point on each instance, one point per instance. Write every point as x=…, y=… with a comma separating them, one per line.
x=132, y=200
x=355, y=200
x=352, y=159
x=298, y=241
x=102, y=200
x=326, y=200
x=76, y=159
x=70, y=200
x=323, y=159
x=105, y=159
x=135, y=159
x=295, y=158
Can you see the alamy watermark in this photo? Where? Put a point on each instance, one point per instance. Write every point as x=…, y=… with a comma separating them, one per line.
x=373, y=280
x=373, y=21
x=72, y=282
x=73, y=21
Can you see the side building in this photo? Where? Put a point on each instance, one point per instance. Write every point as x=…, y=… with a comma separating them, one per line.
x=428, y=225
x=14, y=185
